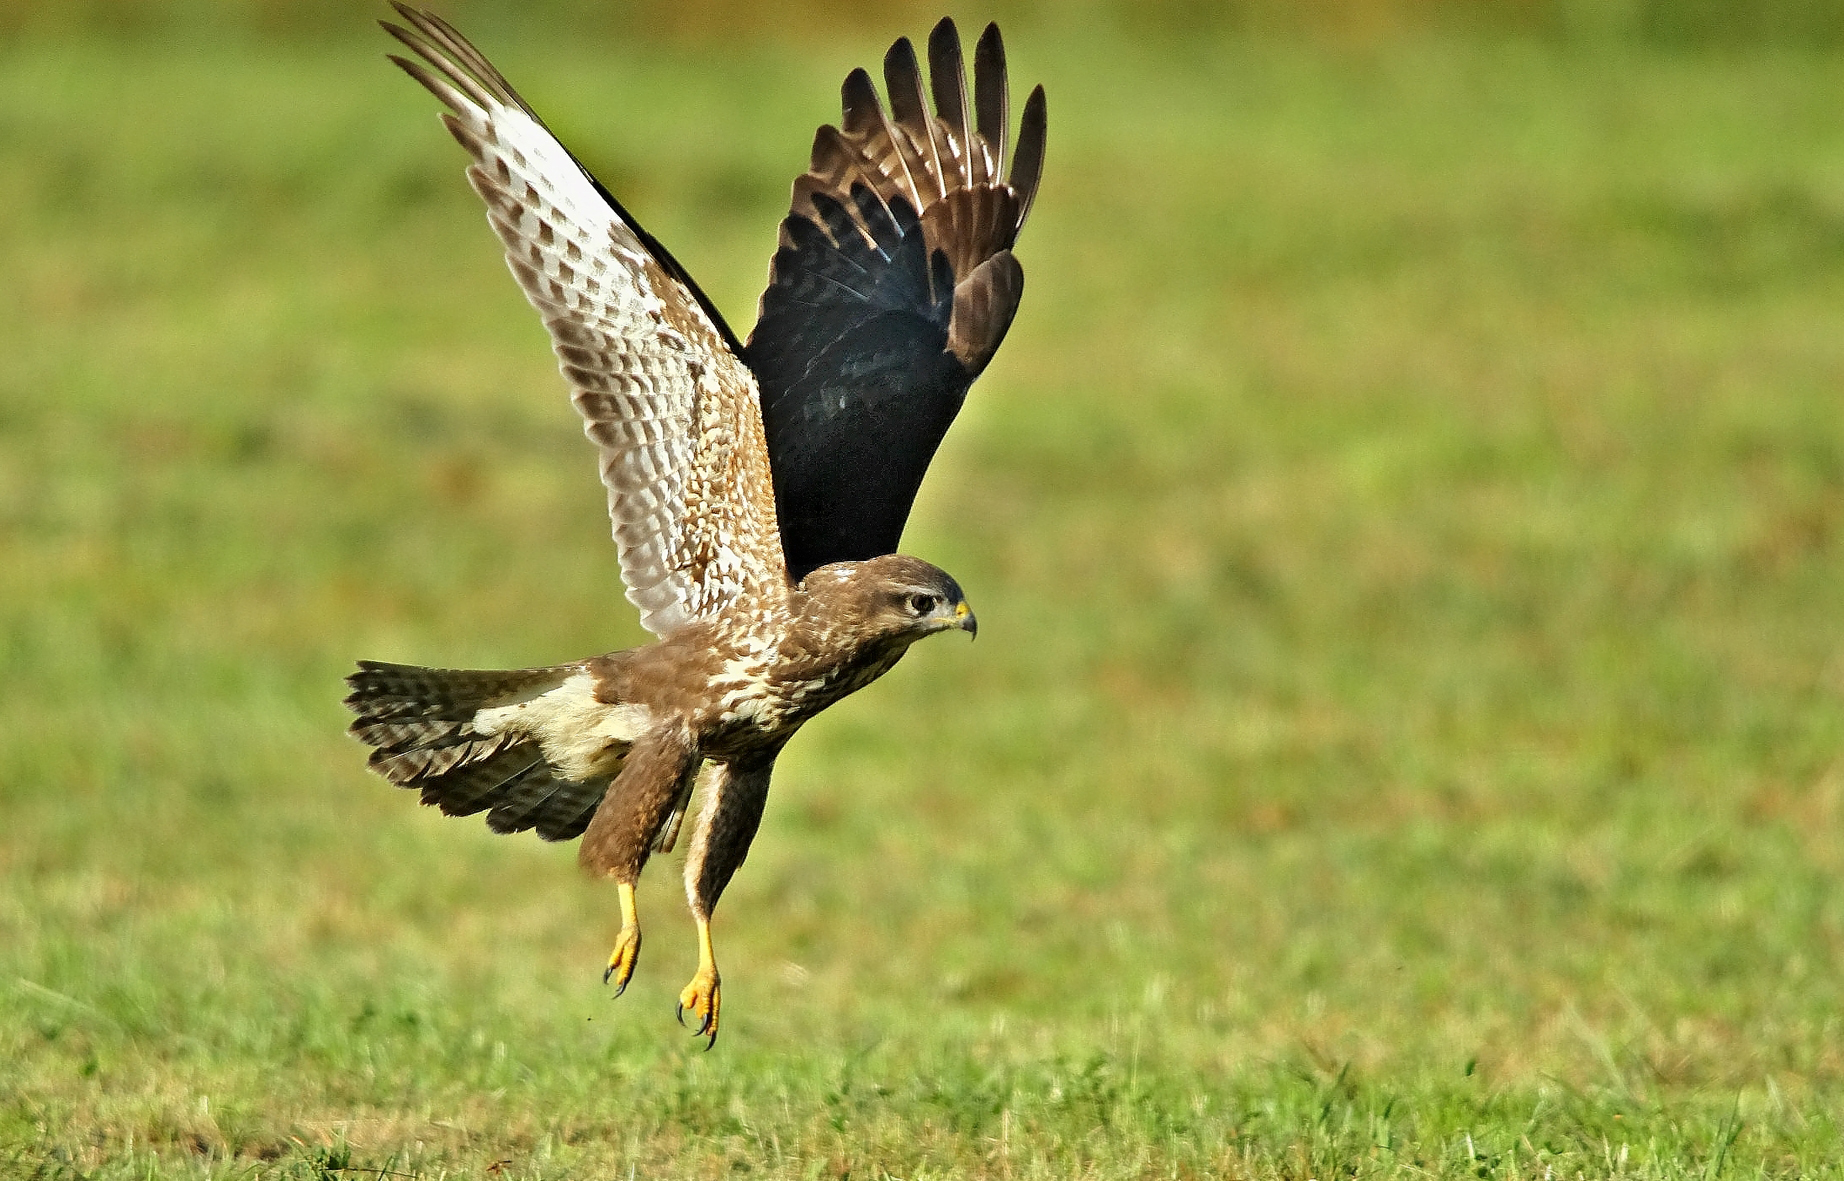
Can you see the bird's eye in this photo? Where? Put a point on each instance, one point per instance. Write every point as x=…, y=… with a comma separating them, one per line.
x=922, y=604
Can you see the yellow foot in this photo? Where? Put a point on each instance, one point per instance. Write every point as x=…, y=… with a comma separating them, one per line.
x=621, y=961
x=701, y=999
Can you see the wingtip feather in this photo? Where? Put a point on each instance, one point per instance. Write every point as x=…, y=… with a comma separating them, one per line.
x=913, y=133
x=1028, y=164
x=947, y=76
x=991, y=94
x=860, y=110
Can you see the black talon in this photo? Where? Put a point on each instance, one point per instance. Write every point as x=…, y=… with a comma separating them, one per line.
x=606, y=973
x=681, y=1012
x=621, y=988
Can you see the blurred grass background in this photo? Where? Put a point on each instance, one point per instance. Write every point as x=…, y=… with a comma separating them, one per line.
x=1406, y=523
x=1710, y=23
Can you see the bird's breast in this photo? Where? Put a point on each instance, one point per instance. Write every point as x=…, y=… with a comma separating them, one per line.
x=760, y=708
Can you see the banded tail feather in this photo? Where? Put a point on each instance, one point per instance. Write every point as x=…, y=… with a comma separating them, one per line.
x=421, y=726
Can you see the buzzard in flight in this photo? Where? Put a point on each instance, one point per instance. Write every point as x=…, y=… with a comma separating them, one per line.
x=758, y=489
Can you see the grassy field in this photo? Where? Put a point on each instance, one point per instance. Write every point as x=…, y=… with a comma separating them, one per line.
x=1406, y=523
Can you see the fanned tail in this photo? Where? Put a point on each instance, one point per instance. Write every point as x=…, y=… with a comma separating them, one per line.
x=419, y=723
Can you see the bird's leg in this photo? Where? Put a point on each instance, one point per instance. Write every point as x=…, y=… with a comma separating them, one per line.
x=621, y=833
x=704, y=994
x=669, y=833
x=727, y=819
x=621, y=961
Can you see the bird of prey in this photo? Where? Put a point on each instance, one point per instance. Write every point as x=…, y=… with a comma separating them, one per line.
x=758, y=488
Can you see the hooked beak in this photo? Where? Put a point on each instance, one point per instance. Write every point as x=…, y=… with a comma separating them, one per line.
x=964, y=620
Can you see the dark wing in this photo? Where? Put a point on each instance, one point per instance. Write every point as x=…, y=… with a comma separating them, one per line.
x=656, y=376
x=893, y=284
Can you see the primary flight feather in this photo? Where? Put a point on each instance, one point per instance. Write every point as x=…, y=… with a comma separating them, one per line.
x=757, y=490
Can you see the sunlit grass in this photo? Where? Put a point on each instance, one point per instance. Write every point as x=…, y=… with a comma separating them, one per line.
x=1405, y=526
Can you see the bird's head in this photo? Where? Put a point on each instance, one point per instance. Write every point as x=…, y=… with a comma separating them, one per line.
x=890, y=598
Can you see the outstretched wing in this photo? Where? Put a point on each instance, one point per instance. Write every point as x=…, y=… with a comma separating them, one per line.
x=893, y=284
x=651, y=365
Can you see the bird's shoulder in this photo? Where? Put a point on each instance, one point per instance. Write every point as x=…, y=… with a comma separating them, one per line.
x=735, y=647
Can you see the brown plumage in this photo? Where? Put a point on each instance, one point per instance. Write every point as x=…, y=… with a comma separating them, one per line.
x=757, y=545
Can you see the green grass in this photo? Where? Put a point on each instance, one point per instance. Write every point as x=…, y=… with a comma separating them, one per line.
x=1406, y=523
